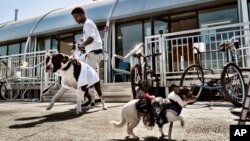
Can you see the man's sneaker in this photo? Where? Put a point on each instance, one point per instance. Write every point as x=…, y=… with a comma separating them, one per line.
x=85, y=107
x=92, y=104
x=85, y=104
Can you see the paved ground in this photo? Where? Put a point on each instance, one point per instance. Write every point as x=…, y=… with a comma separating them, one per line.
x=29, y=121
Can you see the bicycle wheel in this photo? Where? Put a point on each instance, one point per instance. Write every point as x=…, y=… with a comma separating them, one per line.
x=193, y=79
x=6, y=92
x=10, y=90
x=152, y=83
x=232, y=84
x=136, y=78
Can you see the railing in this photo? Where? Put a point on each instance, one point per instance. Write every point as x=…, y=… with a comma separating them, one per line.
x=177, y=52
x=137, y=48
x=29, y=69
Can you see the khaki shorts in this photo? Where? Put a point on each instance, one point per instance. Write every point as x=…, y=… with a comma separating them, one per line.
x=94, y=60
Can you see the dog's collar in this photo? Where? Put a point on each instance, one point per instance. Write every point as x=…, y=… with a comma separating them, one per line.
x=68, y=65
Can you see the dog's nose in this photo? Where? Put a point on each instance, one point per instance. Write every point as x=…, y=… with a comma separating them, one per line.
x=48, y=68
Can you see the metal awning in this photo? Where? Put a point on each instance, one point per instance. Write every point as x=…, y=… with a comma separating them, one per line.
x=98, y=11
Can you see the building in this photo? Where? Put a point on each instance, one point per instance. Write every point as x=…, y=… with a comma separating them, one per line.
x=130, y=22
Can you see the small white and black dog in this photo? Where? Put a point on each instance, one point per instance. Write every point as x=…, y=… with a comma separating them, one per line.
x=74, y=74
x=155, y=110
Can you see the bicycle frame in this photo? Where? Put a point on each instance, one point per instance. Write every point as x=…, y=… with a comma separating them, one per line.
x=224, y=78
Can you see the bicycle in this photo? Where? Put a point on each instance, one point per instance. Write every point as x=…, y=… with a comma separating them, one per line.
x=229, y=83
x=10, y=88
x=142, y=76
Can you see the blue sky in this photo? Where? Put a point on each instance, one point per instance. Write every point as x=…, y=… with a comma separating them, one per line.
x=31, y=8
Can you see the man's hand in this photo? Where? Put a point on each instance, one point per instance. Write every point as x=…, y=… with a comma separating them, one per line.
x=81, y=46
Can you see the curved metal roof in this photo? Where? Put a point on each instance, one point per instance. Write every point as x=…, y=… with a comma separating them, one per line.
x=98, y=11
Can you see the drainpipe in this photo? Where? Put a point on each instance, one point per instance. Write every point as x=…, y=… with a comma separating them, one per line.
x=107, y=30
x=16, y=13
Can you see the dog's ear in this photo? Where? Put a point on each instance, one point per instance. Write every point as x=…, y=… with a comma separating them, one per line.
x=175, y=88
x=65, y=59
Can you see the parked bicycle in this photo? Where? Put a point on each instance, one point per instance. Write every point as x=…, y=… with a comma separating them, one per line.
x=142, y=76
x=10, y=88
x=229, y=83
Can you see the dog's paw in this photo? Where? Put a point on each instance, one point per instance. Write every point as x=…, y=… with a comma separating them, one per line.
x=49, y=107
x=182, y=123
x=78, y=112
x=136, y=137
x=105, y=108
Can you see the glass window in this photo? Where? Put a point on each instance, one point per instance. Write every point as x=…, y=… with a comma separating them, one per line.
x=14, y=49
x=217, y=17
x=147, y=28
x=3, y=50
x=23, y=47
x=128, y=35
x=44, y=44
x=77, y=37
x=160, y=25
x=54, y=43
x=248, y=6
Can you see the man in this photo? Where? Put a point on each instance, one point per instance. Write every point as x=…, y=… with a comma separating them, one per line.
x=91, y=43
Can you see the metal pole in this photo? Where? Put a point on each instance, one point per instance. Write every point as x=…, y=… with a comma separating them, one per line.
x=16, y=13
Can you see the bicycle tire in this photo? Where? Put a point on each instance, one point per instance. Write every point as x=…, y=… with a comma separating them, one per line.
x=6, y=92
x=10, y=90
x=232, y=84
x=194, y=82
x=136, y=78
x=152, y=83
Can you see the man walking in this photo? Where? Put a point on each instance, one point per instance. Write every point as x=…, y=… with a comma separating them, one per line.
x=91, y=43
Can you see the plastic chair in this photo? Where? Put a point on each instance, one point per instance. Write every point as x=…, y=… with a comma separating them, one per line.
x=123, y=66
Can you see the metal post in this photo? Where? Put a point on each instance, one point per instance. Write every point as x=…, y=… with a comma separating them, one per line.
x=16, y=14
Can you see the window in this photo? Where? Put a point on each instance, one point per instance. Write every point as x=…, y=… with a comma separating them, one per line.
x=3, y=50
x=248, y=7
x=217, y=17
x=128, y=35
x=44, y=44
x=23, y=44
x=14, y=49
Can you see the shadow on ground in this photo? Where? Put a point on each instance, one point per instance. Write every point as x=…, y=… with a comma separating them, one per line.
x=55, y=117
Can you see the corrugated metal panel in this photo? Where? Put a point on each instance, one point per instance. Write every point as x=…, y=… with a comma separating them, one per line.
x=62, y=19
x=97, y=11
x=129, y=8
x=17, y=29
x=54, y=21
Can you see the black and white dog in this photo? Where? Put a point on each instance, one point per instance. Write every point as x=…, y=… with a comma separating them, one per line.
x=74, y=74
x=168, y=110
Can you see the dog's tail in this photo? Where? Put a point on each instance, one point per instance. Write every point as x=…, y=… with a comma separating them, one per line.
x=118, y=124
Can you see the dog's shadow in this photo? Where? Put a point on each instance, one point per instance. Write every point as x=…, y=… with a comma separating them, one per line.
x=55, y=117
x=148, y=138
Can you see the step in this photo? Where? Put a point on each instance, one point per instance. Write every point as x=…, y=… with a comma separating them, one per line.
x=112, y=92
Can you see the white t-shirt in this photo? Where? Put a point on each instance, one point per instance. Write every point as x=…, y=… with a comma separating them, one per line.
x=90, y=30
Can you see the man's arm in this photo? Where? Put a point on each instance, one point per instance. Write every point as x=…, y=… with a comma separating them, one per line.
x=88, y=41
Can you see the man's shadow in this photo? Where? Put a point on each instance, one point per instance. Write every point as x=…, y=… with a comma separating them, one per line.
x=55, y=117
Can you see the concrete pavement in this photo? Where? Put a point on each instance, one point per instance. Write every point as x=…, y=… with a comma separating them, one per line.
x=29, y=121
